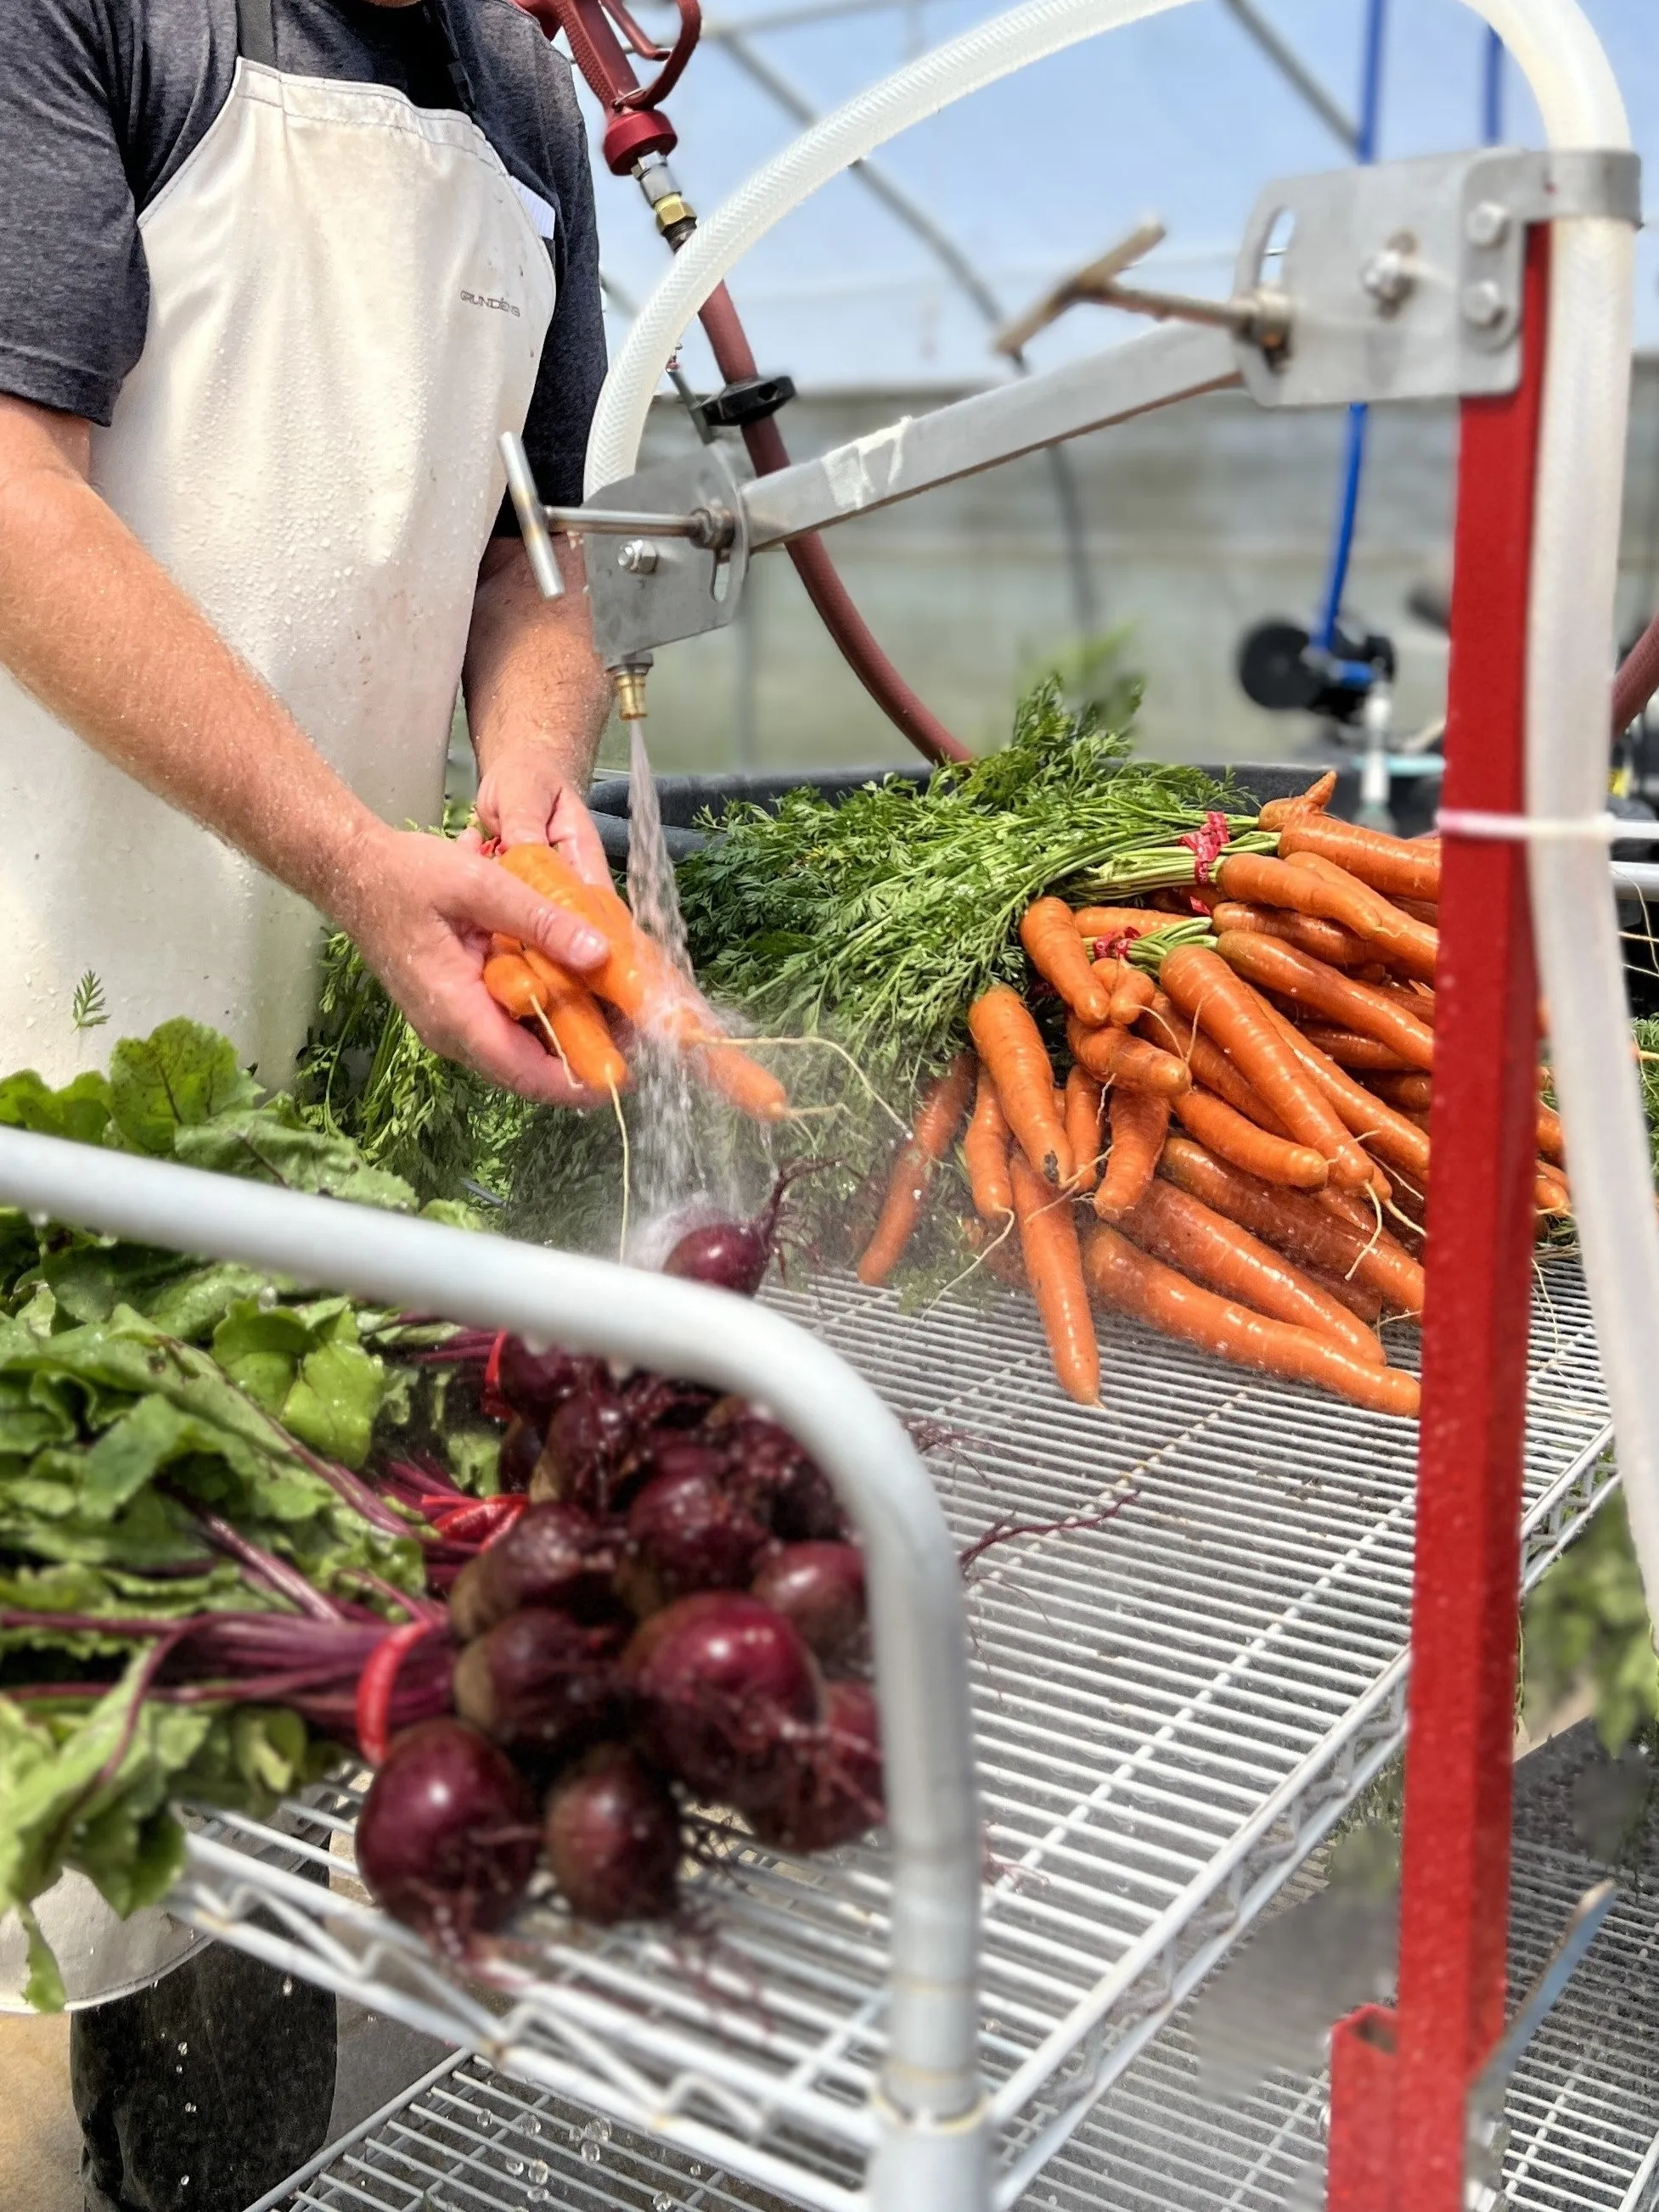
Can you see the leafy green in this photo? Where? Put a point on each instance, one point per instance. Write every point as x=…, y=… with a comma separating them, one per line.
x=882, y=919
x=93, y=1790
x=1587, y=1623
x=80, y=1111
x=177, y=1078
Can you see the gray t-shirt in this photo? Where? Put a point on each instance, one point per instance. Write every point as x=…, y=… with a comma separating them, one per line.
x=102, y=100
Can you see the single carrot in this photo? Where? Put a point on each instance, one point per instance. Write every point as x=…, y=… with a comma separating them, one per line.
x=1278, y=813
x=1132, y=992
x=1112, y=1055
x=1188, y=1236
x=999, y=1257
x=1340, y=947
x=1167, y=1026
x=1310, y=885
x=740, y=1079
x=1365, y=1303
x=1010, y=1045
x=1140, y=1122
x=1349, y=1050
x=1328, y=993
x=510, y=985
x=1550, y=1194
x=1231, y=1137
x=1136, y=1284
x=1427, y=910
x=1300, y=1227
x=1552, y=1138
x=1117, y=920
x=1348, y=1206
x=1409, y=1093
x=1053, y=1267
x=985, y=1154
x=1396, y=867
x=1081, y=1110
x=1055, y=949
x=575, y=1025
x=934, y=1132
x=1222, y=1004
x=1386, y=1132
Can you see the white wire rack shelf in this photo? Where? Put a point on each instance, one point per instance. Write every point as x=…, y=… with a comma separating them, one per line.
x=1583, y=2116
x=1172, y=1710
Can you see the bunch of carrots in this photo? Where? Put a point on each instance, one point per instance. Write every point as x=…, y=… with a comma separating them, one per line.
x=637, y=980
x=1238, y=1153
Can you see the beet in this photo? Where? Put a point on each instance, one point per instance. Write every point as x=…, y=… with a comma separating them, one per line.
x=780, y=1483
x=734, y=1255
x=553, y=1555
x=446, y=1839
x=542, y=1683
x=820, y=1587
x=722, y=1684
x=831, y=1787
x=613, y=1838
x=685, y=1533
x=521, y=1447
x=531, y=1384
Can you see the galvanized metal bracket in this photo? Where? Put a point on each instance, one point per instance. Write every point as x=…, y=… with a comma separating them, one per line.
x=1402, y=281
x=683, y=588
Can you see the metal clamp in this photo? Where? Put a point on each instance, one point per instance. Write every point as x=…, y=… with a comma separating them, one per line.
x=1403, y=281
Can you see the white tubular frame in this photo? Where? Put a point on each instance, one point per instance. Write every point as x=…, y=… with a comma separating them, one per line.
x=934, y=2135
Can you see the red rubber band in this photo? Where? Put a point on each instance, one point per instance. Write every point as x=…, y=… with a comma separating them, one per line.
x=377, y=1682
x=480, y=1521
x=492, y=1403
x=1207, y=844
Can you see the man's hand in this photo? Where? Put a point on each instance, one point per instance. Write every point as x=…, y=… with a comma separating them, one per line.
x=422, y=911
x=526, y=798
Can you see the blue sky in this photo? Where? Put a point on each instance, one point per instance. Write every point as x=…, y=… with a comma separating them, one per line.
x=1180, y=117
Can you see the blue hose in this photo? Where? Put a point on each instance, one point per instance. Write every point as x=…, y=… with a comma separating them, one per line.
x=1492, y=93
x=1354, y=466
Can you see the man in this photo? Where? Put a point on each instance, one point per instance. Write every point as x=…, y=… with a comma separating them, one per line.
x=275, y=275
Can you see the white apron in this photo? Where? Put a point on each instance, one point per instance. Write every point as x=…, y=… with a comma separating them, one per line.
x=348, y=301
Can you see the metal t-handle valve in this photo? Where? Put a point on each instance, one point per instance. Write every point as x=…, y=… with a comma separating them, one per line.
x=1262, y=316
x=711, y=528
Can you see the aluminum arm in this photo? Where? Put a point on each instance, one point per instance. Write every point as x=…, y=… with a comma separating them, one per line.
x=1173, y=362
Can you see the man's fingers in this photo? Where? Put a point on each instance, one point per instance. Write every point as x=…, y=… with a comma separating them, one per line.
x=575, y=832
x=498, y=901
x=509, y=1055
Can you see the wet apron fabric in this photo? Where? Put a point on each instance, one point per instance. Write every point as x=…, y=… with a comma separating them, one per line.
x=348, y=300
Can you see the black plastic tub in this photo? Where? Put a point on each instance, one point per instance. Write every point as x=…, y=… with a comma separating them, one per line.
x=682, y=799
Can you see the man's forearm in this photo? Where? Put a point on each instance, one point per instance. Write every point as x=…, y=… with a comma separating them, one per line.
x=93, y=625
x=532, y=679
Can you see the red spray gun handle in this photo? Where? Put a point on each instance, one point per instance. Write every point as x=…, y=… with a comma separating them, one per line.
x=636, y=128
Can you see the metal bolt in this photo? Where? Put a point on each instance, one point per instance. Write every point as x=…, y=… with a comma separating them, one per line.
x=1483, y=304
x=638, y=557
x=1388, y=275
x=1486, y=224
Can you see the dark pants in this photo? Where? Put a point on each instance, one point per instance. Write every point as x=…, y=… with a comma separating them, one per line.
x=203, y=2092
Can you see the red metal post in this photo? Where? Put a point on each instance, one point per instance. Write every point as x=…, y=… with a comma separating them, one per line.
x=1455, y=1894
x=1360, y=2173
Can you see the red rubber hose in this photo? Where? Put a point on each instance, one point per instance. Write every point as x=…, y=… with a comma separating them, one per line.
x=1638, y=676
x=828, y=595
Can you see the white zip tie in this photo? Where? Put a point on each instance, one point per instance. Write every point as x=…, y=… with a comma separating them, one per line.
x=1530, y=828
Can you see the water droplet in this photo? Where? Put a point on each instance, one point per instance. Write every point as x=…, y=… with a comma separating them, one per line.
x=515, y=2167
x=597, y=2131
x=287, y=1980
x=592, y=2153
x=662, y=2202
x=39, y=1218
x=535, y=2126
x=539, y=2197
x=189, y=2108
x=267, y=1296
x=540, y=2170
x=697, y=2171
x=183, y=2049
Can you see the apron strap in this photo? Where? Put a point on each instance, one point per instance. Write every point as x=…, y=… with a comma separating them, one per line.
x=256, y=34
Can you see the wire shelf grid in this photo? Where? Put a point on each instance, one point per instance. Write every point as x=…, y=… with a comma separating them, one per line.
x=1173, y=1706
x=1582, y=2114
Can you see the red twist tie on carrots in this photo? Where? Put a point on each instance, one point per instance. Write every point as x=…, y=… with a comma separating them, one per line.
x=378, y=1680
x=1114, y=948
x=480, y=1521
x=1207, y=844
